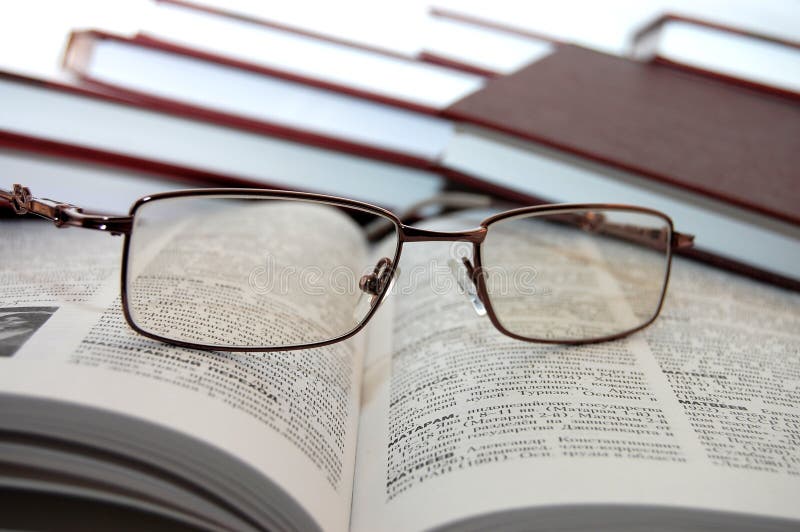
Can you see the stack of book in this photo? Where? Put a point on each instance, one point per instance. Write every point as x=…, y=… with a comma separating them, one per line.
x=694, y=423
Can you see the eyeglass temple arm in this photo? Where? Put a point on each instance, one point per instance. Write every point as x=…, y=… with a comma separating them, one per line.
x=644, y=236
x=454, y=201
x=63, y=214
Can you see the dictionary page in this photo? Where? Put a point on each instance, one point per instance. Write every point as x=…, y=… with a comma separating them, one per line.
x=700, y=411
x=288, y=416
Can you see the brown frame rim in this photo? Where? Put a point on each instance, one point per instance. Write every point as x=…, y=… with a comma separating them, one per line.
x=480, y=280
x=264, y=193
x=405, y=233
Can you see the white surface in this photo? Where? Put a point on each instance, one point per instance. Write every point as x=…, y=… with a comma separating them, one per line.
x=734, y=55
x=274, y=100
x=117, y=128
x=33, y=33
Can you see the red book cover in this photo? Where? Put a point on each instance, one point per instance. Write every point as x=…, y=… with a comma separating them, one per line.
x=706, y=136
x=686, y=130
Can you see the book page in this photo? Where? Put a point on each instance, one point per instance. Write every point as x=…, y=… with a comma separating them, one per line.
x=289, y=415
x=698, y=411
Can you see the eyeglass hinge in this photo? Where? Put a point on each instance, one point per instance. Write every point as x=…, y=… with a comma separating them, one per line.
x=682, y=240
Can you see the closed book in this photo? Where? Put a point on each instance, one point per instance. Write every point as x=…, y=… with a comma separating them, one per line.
x=627, y=112
x=462, y=127
x=63, y=120
x=733, y=54
x=639, y=130
x=431, y=36
x=696, y=134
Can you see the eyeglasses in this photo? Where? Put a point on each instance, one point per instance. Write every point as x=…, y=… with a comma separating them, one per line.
x=266, y=270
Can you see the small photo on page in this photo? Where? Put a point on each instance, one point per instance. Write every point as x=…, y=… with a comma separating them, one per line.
x=17, y=324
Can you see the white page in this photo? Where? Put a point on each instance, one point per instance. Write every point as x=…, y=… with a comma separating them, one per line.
x=87, y=122
x=33, y=43
x=730, y=54
x=608, y=26
x=273, y=100
x=84, y=353
x=502, y=424
x=382, y=74
x=408, y=31
x=473, y=45
x=548, y=174
x=390, y=27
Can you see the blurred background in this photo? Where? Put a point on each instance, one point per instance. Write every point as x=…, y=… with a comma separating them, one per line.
x=33, y=33
x=689, y=107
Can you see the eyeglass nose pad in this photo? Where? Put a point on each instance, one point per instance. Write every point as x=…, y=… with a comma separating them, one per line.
x=374, y=285
x=464, y=275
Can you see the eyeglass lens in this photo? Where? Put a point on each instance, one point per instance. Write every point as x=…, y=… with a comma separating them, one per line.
x=252, y=271
x=576, y=275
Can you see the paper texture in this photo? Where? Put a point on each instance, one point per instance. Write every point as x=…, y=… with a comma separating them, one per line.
x=291, y=416
x=698, y=411
x=453, y=420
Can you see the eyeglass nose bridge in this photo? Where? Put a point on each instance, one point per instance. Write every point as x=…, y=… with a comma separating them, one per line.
x=415, y=234
x=467, y=279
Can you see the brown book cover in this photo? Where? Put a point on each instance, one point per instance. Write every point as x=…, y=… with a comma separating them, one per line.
x=720, y=140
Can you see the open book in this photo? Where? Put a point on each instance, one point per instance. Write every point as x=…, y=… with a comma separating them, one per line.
x=429, y=418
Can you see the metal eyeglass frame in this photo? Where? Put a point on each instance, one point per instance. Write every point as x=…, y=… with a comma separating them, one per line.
x=67, y=215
